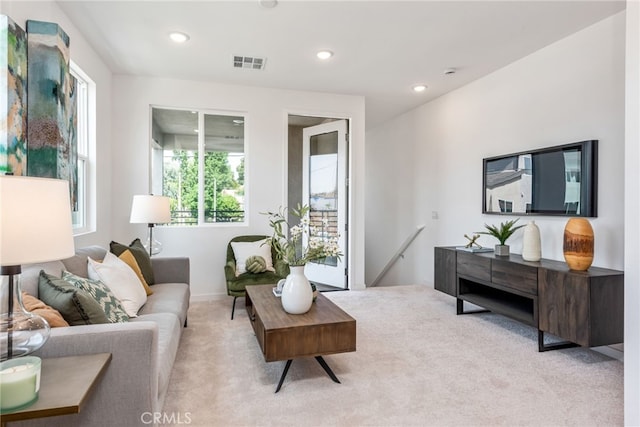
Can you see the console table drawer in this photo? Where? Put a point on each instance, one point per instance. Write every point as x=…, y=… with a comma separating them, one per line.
x=515, y=276
x=474, y=266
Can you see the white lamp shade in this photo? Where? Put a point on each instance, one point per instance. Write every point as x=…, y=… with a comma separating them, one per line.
x=35, y=220
x=149, y=209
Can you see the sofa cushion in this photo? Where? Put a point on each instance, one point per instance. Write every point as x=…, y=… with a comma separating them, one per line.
x=50, y=314
x=168, y=298
x=77, y=264
x=243, y=250
x=140, y=254
x=76, y=306
x=130, y=260
x=122, y=281
x=169, y=331
x=31, y=275
x=111, y=306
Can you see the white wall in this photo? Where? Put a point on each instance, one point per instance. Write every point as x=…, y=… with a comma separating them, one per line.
x=632, y=213
x=86, y=58
x=266, y=137
x=430, y=159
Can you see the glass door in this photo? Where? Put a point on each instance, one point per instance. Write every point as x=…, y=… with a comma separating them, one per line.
x=325, y=191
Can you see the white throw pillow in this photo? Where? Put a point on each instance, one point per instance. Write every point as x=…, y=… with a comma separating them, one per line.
x=243, y=250
x=121, y=280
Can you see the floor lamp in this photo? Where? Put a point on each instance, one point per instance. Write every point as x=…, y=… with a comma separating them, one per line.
x=151, y=210
x=35, y=226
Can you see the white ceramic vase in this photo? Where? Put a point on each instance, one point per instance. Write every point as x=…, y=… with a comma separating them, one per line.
x=531, y=247
x=297, y=295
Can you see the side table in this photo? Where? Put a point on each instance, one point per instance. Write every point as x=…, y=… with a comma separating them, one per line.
x=65, y=385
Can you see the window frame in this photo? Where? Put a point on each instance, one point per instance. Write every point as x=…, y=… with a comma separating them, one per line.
x=201, y=113
x=84, y=219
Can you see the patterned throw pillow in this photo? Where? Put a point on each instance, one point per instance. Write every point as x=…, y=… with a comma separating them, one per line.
x=102, y=294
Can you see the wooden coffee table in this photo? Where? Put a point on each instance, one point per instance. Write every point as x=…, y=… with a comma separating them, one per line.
x=324, y=329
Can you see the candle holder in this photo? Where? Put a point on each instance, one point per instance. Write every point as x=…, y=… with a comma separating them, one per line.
x=19, y=383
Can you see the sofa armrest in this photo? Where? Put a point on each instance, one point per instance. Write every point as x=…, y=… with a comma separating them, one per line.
x=128, y=387
x=171, y=270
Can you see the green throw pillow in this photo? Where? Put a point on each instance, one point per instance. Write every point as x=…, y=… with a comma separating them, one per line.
x=140, y=254
x=111, y=306
x=256, y=264
x=76, y=306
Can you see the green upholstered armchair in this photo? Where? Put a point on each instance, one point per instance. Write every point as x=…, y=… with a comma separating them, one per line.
x=236, y=284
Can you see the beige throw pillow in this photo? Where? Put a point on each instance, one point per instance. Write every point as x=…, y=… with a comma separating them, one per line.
x=50, y=314
x=122, y=281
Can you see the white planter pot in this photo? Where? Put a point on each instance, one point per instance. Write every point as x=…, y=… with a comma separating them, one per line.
x=297, y=295
x=531, y=247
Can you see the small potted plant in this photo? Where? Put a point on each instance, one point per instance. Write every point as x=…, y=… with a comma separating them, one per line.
x=502, y=233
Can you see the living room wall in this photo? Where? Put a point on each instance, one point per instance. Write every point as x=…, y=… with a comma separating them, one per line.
x=87, y=59
x=570, y=91
x=265, y=167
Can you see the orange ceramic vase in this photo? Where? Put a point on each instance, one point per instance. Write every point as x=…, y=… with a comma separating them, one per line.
x=578, y=244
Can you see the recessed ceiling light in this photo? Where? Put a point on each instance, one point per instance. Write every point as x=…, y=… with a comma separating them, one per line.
x=179, y=37
x=324, y=54
x=268, y=4
x=419, y=88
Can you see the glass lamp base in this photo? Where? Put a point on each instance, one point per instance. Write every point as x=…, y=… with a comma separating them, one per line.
x=156, y=247
x=21, y=332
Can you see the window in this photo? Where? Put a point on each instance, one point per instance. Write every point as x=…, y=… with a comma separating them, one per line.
x=197, y=159
x=85, y=104
x=505, y=205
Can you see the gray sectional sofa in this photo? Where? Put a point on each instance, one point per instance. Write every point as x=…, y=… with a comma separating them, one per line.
x=143, y=349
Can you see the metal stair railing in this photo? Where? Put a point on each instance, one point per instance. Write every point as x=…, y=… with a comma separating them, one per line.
x=398, y=254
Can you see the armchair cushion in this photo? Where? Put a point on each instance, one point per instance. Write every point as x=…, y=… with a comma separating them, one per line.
x=236, y=283
x=244, y=250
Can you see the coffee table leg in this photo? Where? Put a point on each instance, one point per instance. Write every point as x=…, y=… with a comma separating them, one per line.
x=284, y=374
x=327, y=369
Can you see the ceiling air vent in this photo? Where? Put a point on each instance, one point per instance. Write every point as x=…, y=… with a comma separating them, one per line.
x=249, y=62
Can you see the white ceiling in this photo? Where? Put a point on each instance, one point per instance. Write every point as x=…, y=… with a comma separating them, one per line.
x=381, y=48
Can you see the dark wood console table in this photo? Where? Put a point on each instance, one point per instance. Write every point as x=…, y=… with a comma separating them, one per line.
x=585, y=308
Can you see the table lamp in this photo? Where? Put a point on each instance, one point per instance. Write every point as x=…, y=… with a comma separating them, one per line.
x=35, y=226
x=151, y=210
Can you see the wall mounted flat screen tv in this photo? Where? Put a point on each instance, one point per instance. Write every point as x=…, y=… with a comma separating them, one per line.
x=561, y=180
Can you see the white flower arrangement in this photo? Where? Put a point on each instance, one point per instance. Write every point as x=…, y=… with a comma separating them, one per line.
x=291, y=249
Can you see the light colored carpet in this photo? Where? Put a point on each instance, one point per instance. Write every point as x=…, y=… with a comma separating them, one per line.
x=416, y=364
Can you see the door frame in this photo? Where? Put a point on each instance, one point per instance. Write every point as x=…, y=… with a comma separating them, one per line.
x=349, y=202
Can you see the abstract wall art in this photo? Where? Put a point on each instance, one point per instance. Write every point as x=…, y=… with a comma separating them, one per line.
x=52, y=116
x=13, y=102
